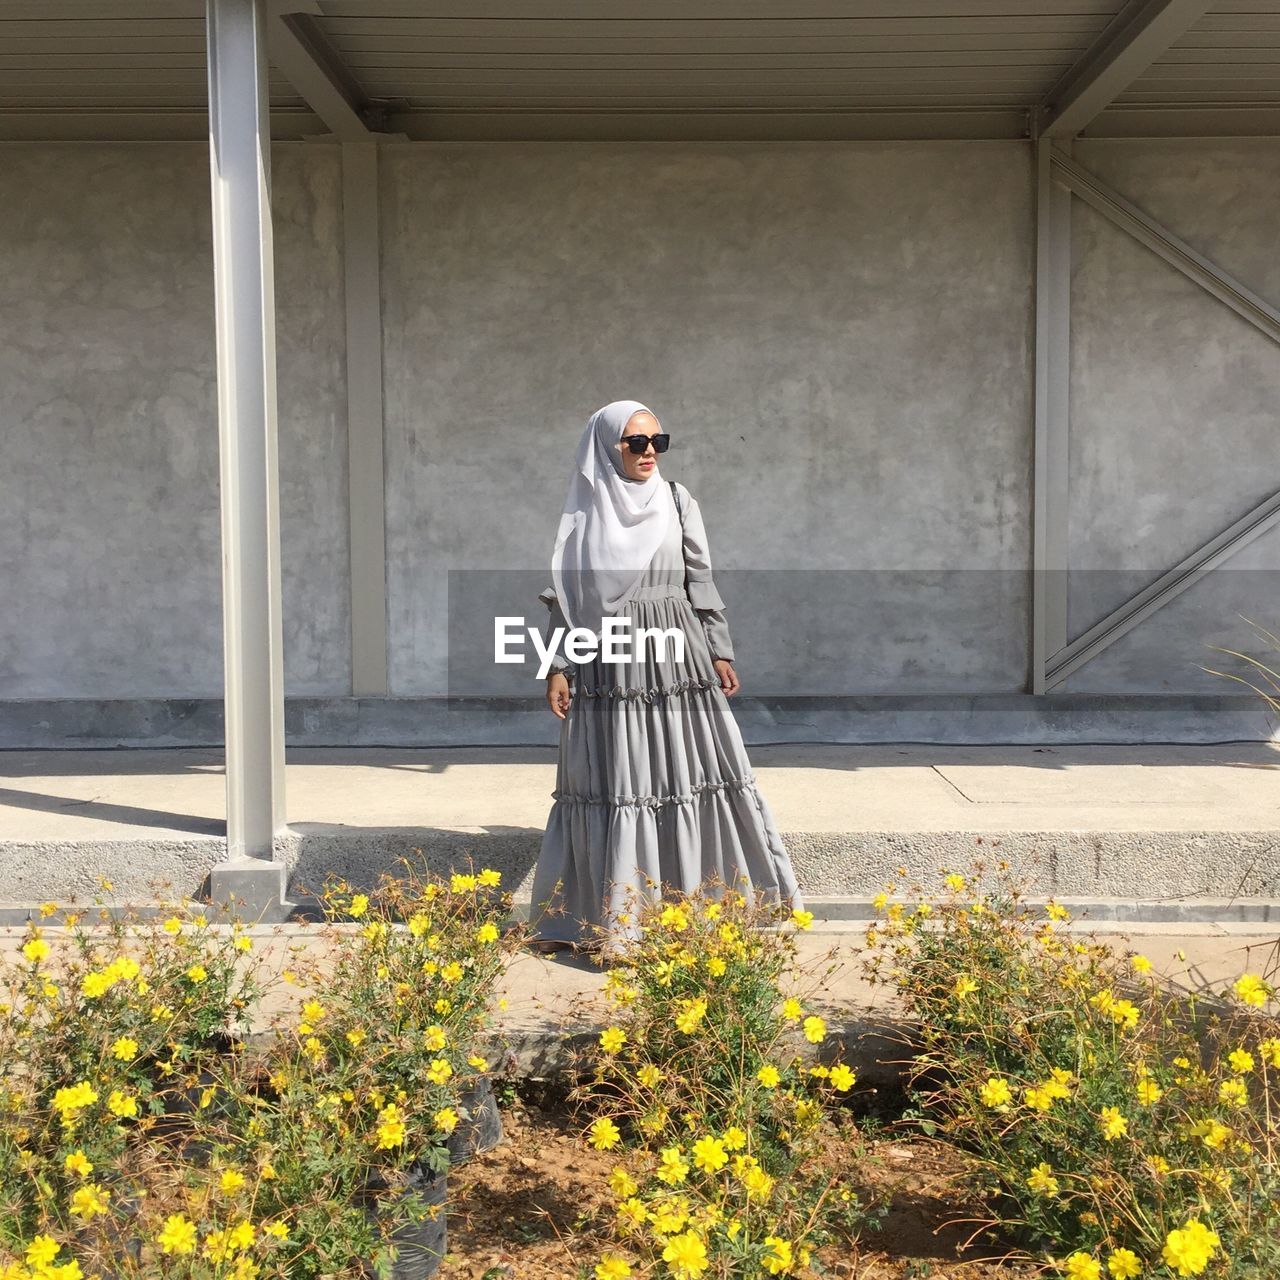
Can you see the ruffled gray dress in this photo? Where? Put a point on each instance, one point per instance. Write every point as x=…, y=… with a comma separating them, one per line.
x=653, y=783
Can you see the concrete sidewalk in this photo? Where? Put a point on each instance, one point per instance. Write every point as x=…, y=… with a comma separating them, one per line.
x=1148, y=824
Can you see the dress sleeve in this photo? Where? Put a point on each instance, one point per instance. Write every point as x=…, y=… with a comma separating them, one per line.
x=555, y=618
x=700, y=584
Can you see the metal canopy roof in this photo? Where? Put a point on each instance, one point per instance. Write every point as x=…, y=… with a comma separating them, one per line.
x=655, y=69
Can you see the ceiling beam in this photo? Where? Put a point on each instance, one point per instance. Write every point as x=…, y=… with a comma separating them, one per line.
x=1137, y=38
x=300, y=51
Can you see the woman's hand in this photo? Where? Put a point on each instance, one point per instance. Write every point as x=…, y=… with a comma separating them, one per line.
x=558, y=695
x=729, y=682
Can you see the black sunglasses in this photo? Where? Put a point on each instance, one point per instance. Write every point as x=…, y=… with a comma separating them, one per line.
x=638, y=444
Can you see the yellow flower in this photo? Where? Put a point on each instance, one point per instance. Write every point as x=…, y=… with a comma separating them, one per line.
x=243, y=943
x=356, y=1037
x=242, y=1235
x=691, y=1014
x=446, y=1119
x=792, y=1010
x=1080, y=1266
x=621, y=1183
x=1124, y=1264
x=462, y=883
x=716, y=966
x=768, y=1076
x=1149, y=1092
x=1113, y=1123
x=390, y=1131
x=359, y=905
x=42, y=1251
x=172, y=926
x=477, y=1063
x=276, y=1229
x=842, y=1078
x=709, y=1155
x=88, y=1201
x=217, y=1246
x=815, y=1029
x=78, y=1163
x=1042, y=1181
x=1125, y=1014
x=197, y=973
x=1240, y=1061
x=802, y=919
x=1233, y=1093
x=686, y=1255
x=632, y=1213
x=68, y=1101
x=612, y=1266
x=612, y=1039
x=1188, y=1250
x=965, y=986
x=1270, y=1051
x=1038, y=1099
x=35, y=950
x=1213, y=1133
x=996, y=1093
x=435, y=1039
x=780, y=1257
x=604, y=1135
x=178, y=1235
x=1103, y=1000
x=313, y=1011
x=675, y=918
x=487, y=932
x=670, y=1215
x=95, y=984
x=1251, y=989
x=649, y=1076
x=439, y=1071
x=1140, y=965
x=231, y=1181
x=125, y=1048
x=954, y=882
x=1056, y=911
x=451, y=973
x=758, y=1183
x=490, y=878
x=673, y=1168
x=443, y=1006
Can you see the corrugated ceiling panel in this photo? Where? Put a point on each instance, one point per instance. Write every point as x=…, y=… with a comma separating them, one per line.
x=1230, y=57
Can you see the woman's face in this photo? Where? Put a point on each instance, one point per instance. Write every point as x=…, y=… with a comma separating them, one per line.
x=639, y=466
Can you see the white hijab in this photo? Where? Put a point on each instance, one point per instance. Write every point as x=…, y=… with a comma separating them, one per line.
x=611, y=526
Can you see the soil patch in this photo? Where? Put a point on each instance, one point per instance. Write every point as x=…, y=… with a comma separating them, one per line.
x=537, y=1208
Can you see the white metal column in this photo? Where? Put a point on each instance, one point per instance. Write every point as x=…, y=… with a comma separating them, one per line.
x=239, y=144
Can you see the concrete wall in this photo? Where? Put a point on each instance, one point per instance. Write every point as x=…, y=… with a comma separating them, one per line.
x=837, y=335
x=109, y=524
x=1173, y=411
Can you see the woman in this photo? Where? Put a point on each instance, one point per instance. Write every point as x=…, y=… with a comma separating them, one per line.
x=653, y=786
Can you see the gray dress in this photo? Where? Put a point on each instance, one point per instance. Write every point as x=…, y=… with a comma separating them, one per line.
x=653, y=784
